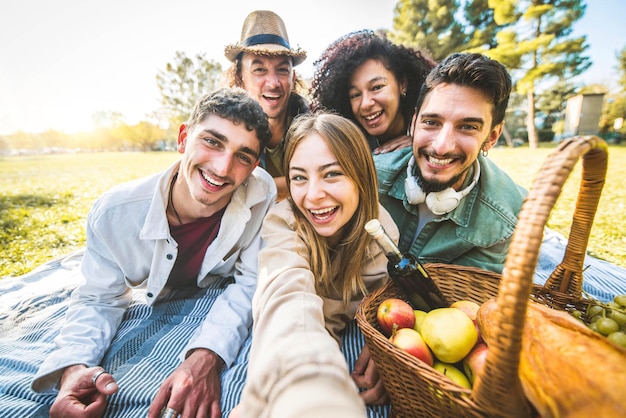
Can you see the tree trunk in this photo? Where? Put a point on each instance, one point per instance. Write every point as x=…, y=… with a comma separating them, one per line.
x=533, y=139
x=507, y=137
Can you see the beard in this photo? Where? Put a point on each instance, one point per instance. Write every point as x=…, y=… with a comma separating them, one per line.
x=429, y=186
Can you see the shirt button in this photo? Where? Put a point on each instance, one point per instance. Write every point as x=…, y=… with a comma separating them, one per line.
x=149, y=294
x=169, y=256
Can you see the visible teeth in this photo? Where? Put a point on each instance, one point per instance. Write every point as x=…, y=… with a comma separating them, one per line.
x=322, y=211
x=213, y=182
x=374, y=116
x=438, y=161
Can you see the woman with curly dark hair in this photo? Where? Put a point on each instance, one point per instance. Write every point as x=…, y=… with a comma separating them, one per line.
x=374, y=82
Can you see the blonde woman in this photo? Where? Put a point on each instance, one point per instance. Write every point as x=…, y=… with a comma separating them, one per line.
x=317, y=264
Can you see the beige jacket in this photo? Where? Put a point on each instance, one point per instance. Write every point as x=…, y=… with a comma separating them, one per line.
x=296, y=367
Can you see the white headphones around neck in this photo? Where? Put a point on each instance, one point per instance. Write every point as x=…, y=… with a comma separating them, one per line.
x=441, y=202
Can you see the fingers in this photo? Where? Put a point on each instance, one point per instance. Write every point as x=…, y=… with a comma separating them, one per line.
x=104, y=382
x=377, y=395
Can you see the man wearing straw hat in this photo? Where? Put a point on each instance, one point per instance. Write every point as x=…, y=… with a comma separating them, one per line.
x=263, y=62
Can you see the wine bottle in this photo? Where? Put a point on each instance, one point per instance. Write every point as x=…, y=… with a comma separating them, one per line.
x=407, y=272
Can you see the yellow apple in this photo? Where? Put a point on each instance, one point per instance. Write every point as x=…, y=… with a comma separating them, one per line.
x=471, y=309
x=394, y=313
x=452, y=373
x=449, y=333
x=419, y=317
x=412, y=342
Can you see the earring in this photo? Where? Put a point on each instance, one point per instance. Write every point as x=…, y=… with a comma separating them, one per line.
x=403, y=94
x=485, y=152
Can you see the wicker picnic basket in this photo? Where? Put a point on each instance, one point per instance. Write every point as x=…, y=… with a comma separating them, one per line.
x=417, y=390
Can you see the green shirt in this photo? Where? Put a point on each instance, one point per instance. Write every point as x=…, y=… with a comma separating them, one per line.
x=477, y=233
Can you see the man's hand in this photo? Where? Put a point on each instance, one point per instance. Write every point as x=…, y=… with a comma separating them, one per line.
x=365, y=375
x=79, y=396
x=193, y=389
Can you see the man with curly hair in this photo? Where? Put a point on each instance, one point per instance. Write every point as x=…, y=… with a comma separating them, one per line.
x=177, y=235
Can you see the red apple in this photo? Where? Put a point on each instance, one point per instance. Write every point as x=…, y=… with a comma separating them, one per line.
x=471, y=309
x=467, y=306
x=474, y=362
x=394, y=313
x=412, y=342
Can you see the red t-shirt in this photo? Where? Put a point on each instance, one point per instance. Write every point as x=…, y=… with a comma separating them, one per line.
x=193, y=240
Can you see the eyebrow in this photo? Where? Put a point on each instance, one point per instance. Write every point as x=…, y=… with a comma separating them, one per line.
x=373, y=80
x=466, y=120
x=224, y=138
x=259, y=61
x=321, y=168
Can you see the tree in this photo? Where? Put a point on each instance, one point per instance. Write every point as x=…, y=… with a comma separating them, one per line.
x=538, y=48
x=481, y=27
x=616, y=102
x=430, y=25
x=183, y=82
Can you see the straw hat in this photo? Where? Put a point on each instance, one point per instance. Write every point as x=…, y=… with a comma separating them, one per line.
x=264, y=33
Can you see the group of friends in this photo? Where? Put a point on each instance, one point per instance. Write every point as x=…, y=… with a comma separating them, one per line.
x=274, y=192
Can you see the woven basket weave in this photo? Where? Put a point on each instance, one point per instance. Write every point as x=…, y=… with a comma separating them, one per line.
x=417, y=390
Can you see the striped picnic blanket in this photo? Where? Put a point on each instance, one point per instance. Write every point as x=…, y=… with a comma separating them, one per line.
x=146, y=347
x=143, y=353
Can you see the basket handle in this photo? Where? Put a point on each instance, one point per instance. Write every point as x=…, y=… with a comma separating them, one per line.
x=500, y=386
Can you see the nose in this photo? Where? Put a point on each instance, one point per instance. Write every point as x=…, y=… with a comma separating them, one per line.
x=367, y=100
x=272, y=79
x=221, y=166
x=315, y=190
x=443, y=142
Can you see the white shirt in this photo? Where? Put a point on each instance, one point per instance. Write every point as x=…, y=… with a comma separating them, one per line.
x=129, y=246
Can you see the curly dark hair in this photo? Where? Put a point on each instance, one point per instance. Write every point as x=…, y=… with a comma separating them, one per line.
x=236, y=105
x=334, y=68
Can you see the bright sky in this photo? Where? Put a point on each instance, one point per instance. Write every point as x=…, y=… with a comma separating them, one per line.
x=63, y=60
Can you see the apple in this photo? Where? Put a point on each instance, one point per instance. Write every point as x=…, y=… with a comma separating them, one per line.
x=467, y=306
x=471, y=309
x=394, y=313
x=449, y=333
x=452, y=373
x=474, y=362
x=419, y=317
x=412, y=342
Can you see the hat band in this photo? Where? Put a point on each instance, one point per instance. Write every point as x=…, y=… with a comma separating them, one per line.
x=266, y=39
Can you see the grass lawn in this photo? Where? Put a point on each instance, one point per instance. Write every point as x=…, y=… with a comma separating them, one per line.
x=44, y=200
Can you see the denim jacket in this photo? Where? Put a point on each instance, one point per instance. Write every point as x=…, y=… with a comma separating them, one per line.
x=129, y=246
x=477, y=233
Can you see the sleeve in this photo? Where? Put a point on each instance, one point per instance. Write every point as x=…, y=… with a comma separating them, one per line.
x=94, y=314
x=293, y=359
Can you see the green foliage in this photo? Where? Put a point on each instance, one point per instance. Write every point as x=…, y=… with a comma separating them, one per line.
x=430, y=25
x=184, y=81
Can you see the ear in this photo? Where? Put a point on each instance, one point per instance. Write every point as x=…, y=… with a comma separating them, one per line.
x=493, y=136
x=182, y=138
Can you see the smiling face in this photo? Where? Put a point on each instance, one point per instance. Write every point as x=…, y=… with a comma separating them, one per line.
x=375, y=100
x=451, y=128
x=321, y=190
x=218, y=156
x=268, y=80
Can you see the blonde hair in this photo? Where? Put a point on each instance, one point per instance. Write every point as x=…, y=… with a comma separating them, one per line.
x=350, y=147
